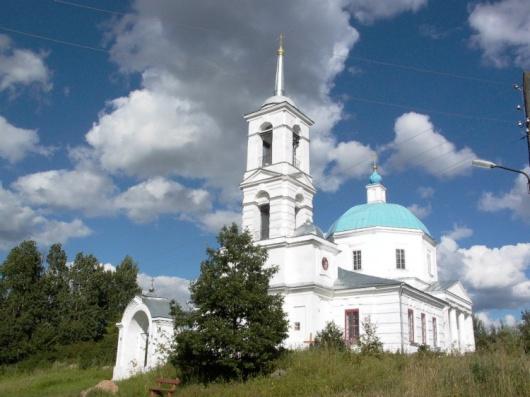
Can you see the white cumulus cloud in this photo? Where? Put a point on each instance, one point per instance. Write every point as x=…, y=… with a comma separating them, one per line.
x=16, y=143
x=495, y=277
x=517, y=200
x=20, y=222
x=147, y=200
x=75, y=190
x=166, y=287
x=502, y=31
x=417, y=143
x=22, y=67
x=367, y=11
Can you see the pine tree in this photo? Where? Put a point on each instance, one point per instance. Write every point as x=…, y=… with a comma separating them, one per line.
x=236, y=327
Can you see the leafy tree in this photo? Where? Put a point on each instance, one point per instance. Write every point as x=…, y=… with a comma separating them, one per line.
x=481, y=333
x=236, y=327
x=90, y=289
x=56, y=289
x=506, y=338
x=21, y=302
x=331, y=337
x=125, y=286
x=45, y=309
x=369, y=342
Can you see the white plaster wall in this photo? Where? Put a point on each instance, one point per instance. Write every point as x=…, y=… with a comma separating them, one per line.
x=160, y=339
x=378, y=249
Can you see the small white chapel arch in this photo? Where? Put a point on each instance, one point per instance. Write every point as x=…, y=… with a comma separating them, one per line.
x=145, y=334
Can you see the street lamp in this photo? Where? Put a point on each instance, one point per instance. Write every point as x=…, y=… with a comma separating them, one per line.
x=489, y=164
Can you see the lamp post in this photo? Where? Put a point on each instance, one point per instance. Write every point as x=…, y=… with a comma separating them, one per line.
x=489, y=164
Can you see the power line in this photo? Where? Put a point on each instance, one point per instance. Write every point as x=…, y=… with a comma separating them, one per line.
x=292, y=46
x=347, y=97
x=127, y=55
x=239, y=77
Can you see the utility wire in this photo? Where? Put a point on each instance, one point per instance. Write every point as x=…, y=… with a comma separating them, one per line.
x=347, y=97
x=344, y=97
x=239, y=77
x=292, y=46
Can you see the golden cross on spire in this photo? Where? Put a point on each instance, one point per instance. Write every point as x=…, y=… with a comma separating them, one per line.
x=280, y=49
x=374, y=155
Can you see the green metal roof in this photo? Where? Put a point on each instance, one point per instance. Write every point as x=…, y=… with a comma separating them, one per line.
x=377, y=214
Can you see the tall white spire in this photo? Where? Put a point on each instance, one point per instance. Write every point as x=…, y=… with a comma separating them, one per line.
x=279, y=88
x=279, y=91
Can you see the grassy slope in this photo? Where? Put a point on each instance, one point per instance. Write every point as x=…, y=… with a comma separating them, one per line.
x=315, y=373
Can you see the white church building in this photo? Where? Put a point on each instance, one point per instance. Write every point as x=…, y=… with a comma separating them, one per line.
x=377, y=260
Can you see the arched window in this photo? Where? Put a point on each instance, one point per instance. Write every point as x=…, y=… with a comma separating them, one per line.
x=299, y=199
x=266, y=139
x=262, y=200
x=264, y=221
x=296, y=145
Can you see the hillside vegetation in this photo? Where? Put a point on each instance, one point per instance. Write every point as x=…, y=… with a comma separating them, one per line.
x=314, y=372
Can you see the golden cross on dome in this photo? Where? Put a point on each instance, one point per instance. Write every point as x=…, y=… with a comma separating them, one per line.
x=374, y=155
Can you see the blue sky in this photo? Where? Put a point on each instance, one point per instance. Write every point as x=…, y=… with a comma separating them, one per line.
x=121, y=128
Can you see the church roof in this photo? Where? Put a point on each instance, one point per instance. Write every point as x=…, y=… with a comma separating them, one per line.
x=377, y=214
x=278, y=99
x=347, y=278
x=308, y=228
x=441, y=285
x=158, y=307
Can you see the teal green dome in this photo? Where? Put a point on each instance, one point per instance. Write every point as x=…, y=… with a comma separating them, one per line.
x=375, y=178
x=377, y=214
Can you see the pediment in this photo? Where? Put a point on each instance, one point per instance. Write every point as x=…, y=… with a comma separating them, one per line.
x=459, y=290
x=447, y=288
x=302, y=177
x=259, y=175
x=264, y=174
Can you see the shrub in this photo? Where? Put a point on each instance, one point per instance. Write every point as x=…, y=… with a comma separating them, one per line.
x=331, y=337
x=369, y=342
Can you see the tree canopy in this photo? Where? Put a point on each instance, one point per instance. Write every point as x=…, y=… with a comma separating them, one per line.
x=48, y=305
x=235, y=328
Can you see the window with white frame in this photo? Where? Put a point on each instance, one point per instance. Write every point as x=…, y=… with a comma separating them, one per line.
x=400, y=258
x=351, y=325
x=423, y=329
x=434, y=332
x=357, y=260
x=411, y=325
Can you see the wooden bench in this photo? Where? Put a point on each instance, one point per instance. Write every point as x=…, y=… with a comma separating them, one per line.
x=159, y=390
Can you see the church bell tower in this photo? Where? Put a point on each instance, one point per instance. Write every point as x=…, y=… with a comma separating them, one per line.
x=277, y=186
